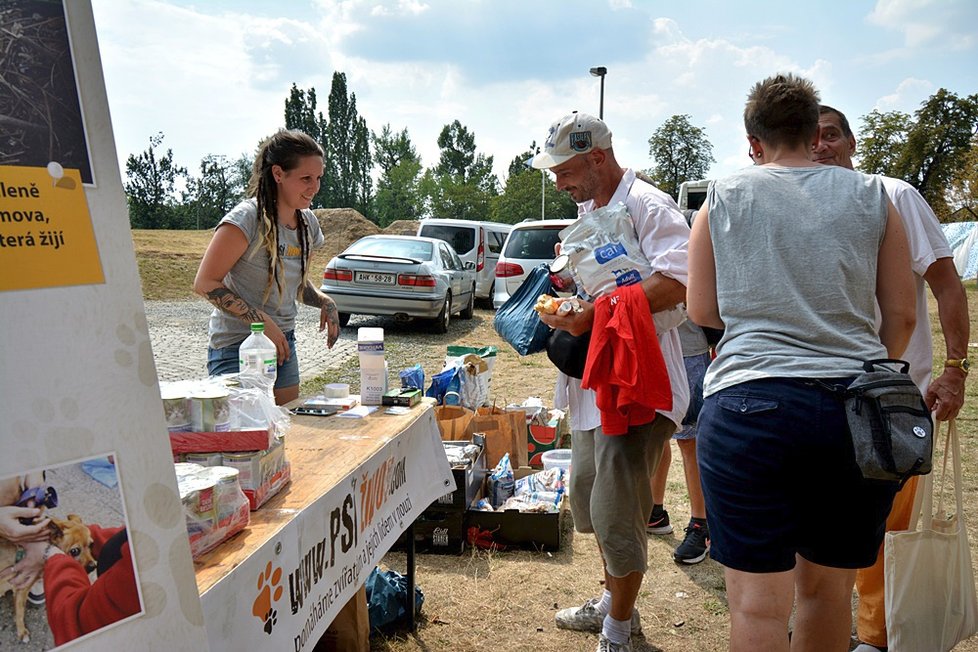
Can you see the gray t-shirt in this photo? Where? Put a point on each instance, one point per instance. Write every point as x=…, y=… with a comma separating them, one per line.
x=693, y=339
x=249, y=275
x=796, y=254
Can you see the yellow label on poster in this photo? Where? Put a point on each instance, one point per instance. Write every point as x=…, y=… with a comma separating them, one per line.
x=46, y=234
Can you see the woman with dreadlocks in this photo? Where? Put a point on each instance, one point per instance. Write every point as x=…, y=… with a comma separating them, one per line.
x=256, y=265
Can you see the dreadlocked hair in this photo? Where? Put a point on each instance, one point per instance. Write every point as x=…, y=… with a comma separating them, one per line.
x=284, y=148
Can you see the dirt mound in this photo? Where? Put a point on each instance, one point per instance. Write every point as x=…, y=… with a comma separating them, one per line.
x=402, y=227
x=341, y=227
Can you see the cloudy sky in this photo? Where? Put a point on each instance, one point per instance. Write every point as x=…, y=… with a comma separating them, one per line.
x=213, y=75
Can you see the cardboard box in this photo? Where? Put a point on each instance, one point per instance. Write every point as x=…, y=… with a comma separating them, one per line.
x=514, y=529
x=437, y=530
x=214, y=442
x=468, y=481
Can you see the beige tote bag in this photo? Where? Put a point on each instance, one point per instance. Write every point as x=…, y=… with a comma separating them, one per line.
x=929, y=584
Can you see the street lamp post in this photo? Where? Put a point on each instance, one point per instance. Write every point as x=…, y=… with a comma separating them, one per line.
x=600, y=71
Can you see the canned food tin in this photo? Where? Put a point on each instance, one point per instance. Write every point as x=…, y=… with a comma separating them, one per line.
x=560, y=274
x=186, y=469
x=204, y=459
x=227, y=489
x=210, y=410
x=176, y=408
x=197, y=496
x=248, y=466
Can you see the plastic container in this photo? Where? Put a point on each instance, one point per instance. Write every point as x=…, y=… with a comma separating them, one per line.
x=559, y=457
x=257, y=360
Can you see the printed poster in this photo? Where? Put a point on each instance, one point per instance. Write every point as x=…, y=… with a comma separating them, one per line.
x=86, y=468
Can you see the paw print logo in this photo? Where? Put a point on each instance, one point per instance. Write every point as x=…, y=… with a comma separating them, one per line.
x=269, y=591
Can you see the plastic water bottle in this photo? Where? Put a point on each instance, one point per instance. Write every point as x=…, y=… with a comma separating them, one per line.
x=257, y=360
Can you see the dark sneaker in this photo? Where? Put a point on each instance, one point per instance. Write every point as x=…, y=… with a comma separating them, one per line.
x=659, y=524
x=695, y=545
x=604, y=645
x=587, y=618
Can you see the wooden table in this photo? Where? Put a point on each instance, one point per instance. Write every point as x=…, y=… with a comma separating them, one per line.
x=299, y=533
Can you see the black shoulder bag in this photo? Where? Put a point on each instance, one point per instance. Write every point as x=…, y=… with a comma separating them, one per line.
x=892, y=429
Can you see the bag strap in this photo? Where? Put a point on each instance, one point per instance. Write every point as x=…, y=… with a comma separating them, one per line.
x=952, y=448
x=870, y=365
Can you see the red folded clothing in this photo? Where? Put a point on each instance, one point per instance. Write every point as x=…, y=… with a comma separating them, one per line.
x=625, y=366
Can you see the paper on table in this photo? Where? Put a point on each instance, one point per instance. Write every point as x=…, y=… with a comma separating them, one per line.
x=358, y=412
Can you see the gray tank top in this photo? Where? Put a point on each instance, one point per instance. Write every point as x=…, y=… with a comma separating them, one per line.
x=796, y=253
x=249, y=275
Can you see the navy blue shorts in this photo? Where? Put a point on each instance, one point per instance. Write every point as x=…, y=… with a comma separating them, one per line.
x=225, y=361
x=780, y=478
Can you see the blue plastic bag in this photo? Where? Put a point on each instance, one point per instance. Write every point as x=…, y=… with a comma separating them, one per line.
x=412, y=377
x=387, y=600
x=446, y=386
x=517, y=322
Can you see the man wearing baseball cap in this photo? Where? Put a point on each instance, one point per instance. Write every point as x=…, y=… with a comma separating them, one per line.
x=610, y=493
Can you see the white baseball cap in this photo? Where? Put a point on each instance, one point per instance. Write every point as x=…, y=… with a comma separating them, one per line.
x=577, y=133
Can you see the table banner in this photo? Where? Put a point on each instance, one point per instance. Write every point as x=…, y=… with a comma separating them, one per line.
x=284, y=596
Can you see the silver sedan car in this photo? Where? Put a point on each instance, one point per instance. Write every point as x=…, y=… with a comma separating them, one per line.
x=401, y=275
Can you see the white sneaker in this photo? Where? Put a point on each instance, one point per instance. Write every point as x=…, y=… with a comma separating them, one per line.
x=866, y=647
x=587, y=618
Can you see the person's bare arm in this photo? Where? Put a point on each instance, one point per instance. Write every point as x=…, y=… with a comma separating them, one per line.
x=226, y=247
x=663, y=292
x=895, y=286
x=701, y=295
x=329, y=318
x=945, y=395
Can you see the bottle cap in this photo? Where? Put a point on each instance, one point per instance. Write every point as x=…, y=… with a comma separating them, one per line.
x=258, y=327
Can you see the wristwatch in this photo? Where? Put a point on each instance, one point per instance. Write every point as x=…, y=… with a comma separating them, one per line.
x=961, y=364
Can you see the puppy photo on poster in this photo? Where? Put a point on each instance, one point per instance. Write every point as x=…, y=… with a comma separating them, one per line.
x=66, y=568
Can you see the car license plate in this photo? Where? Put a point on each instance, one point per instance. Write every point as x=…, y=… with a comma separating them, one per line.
x=377, y=278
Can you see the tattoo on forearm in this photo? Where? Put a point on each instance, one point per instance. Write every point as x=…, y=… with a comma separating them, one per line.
x=233, y=305
x=311, y=296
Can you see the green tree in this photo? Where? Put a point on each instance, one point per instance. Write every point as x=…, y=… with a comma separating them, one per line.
x=520, y=199
x=348, y=161
x=929, y=151
x=151, y=184
x=880, y=140
x=681, y=152
x=397, y=188
x=301, y=113
x=216, y=191
x=462, y=185
x=964, y=186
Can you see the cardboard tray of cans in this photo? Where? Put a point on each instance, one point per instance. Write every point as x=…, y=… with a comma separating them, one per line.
x=262, y=473
x=217, y=442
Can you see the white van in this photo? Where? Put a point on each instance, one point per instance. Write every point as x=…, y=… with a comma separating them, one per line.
x=475, y=242
x=692, y=194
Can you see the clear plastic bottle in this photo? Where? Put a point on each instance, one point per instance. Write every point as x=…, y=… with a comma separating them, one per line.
x=257, y=360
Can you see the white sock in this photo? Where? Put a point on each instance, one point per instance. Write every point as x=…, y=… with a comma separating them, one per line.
x=603, y=606
x=617, y=631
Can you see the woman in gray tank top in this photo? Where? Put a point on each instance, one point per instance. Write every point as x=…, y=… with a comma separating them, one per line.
x=791, y=258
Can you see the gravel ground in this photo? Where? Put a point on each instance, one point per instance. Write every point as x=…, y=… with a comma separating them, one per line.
x=178, y=333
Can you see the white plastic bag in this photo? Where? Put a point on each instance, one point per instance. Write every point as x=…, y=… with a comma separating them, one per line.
x=929, y=585
x=605, y=253
x=604, y=250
